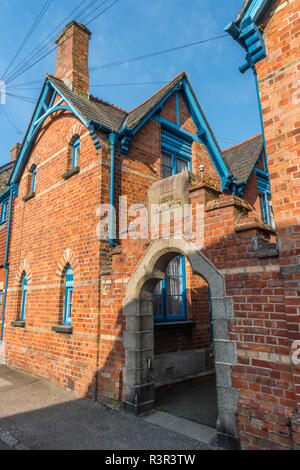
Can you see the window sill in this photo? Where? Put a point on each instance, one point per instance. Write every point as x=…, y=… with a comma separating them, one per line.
x=28, y=197
x=174, y=324
x=71, y=172
x=18, y=324
x=63, y=329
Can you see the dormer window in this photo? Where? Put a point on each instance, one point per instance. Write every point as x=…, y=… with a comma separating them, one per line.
x=75, y=152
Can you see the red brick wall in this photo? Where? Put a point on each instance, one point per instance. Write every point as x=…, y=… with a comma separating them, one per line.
x=61, y=217
x=278, y=77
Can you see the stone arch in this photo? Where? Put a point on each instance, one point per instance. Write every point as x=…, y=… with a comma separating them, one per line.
x=68, y=258
x=139, y=337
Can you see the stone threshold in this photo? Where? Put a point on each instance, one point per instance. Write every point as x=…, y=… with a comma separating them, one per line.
x=198, y=432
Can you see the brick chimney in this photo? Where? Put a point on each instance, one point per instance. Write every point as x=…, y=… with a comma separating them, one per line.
x=14, y=152
x=73, y=56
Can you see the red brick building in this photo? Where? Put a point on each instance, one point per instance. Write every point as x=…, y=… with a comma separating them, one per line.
x=103, y=304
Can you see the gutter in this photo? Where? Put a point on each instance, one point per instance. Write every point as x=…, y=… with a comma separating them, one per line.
x=5, y=266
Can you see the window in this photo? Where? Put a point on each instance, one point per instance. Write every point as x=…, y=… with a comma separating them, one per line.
x=24, y=296
x=1, y=298
x=169, y=300
x=173, y=164
x=75, y=152
x=266, y=209
x=33, y=178
x=176, y=154
x=68, y=296
x=4, y=210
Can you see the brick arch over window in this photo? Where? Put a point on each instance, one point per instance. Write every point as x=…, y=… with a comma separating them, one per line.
x=68, y=258
x=75, y=131
x=139, y=335
x=34, y=160
x=24, y=267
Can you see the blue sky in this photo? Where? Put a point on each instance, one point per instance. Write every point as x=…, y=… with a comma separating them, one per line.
x=132, y=28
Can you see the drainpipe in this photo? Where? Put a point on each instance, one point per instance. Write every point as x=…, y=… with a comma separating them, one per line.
x=113, y=139
x=5, y=266
x=260, y=110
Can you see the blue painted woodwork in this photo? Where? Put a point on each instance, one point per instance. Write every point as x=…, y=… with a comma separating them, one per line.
x=75, y=153
x=4, y=210
x=44, y=108
x=68, y=296
x=33, y=180
x=177, y=109
x=24, y=296
x=163, y=300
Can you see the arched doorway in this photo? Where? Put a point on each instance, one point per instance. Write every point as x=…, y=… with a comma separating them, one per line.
x=139, y=390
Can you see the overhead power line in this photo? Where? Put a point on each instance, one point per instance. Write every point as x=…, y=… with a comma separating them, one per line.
x=47, y=41
x=45, y=51
x=152, y=54
x=29, y=34
x=101, y=13
x=20, y=133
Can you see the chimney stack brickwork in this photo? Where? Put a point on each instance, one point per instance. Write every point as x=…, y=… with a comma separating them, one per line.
x=72, y=57
x=14, y=152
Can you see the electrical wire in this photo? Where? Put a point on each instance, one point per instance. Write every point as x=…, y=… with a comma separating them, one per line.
x=152, y=54
x=30, y=64
x=29, y=34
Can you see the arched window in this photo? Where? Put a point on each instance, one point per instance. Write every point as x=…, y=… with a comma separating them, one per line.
x=75, y=152
x=24, y=296
x=33, y=178
x=68, y=296
x=170, y=303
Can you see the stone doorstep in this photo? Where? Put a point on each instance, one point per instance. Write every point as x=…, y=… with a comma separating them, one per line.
x=199, y=432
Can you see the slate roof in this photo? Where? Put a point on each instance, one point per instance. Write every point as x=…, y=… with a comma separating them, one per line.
x=110, y=116
x=242, y=157
x=92, y=109
x=137, y=114
x=5, y=172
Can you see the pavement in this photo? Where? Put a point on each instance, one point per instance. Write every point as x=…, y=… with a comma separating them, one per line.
x=37, y=415
x=195, y=402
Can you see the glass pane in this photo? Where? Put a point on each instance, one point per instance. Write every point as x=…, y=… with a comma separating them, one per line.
x=166, y=172
x=167, y=160
x=157, y=290
x=181, y=165
x=167, y=166
x=174, y=267
x=174, y=305
x=173, y=285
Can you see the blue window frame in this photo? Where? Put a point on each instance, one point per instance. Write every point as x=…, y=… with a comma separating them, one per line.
x=75, y=153
x=169, y=299
x=4, y=211
x=172, y=164
x=24, y=296
x=263, y=184
x=68, y=296
x=33, y=179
